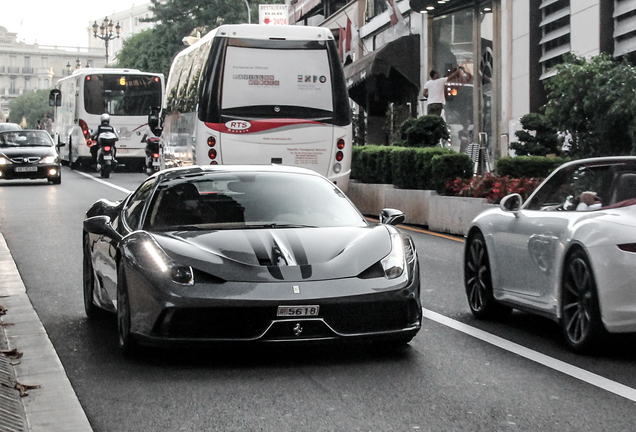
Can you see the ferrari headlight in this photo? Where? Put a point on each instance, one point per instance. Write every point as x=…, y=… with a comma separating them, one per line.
x=395, y=262
x=4, y=161
x=180, y=274
x=48, y=160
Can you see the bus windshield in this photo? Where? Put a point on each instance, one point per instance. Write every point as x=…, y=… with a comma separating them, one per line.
x=274, y=83
x=121, y=94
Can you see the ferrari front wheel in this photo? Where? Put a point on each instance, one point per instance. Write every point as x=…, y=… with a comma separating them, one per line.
x=90, y=284
x=127, y=343
x=478, y=281
x=580, y=313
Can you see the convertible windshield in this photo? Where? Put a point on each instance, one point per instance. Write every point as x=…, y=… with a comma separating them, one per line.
x=261, y=200
x=25, y=138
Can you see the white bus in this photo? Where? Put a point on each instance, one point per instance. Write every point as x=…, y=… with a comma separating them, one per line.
x=258, y=94
x=127, y=95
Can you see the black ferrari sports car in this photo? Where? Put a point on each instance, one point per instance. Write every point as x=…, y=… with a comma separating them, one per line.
x=248, y=254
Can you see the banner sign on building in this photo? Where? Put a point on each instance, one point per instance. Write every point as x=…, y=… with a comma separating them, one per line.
x=273, y=14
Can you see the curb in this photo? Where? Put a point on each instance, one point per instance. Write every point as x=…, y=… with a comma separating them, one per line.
x=53, y=406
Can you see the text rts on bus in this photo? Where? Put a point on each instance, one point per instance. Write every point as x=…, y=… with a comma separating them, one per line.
x=127, y=95
x=258, y=94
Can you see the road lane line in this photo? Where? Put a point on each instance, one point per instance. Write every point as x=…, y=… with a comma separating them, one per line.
x=119, y=188
x=552, y=363
x=423, y=231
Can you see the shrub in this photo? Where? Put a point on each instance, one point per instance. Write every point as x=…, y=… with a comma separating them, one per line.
x=424, y=131
x=528, y=166
x=544, y=140
x=372, y=164
x=492, y=188
x=449, y=166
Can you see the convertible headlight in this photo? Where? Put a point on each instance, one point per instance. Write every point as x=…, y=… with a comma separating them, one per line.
x=48, y=160
x=395, y=262
x=180, y=274
x=4, y=161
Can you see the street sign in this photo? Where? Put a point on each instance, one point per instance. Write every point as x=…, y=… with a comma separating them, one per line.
x=273, y=14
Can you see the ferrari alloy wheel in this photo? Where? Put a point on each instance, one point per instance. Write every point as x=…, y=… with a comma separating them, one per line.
x=580, y=314
x=478, y=282
x=127, y=343
x=90, y=284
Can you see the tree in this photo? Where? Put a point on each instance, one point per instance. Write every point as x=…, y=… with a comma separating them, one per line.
x=151, y=50
x=595, y=101
x=31, y=106
x=543, y=141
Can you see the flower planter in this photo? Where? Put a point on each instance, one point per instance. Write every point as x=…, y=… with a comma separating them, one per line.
x=422, y=207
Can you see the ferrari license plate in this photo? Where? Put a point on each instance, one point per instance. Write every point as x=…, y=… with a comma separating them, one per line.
x=26, y=169
x=297, y=311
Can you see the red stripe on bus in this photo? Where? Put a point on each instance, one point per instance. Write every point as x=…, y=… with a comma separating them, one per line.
x=260, y=125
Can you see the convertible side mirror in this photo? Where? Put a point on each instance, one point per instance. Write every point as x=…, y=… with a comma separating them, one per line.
x=511, y=203
x=391, y=216
x=101, y=225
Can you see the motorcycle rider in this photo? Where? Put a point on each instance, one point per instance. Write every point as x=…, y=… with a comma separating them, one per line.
x=153, y=130
x=103, y=127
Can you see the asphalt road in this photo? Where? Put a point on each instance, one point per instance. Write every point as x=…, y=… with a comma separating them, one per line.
x=457, y=374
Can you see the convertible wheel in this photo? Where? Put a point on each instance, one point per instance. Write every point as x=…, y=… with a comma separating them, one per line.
x=580, y=314
x=478, y=282
x=127, y=343
x=90, y=283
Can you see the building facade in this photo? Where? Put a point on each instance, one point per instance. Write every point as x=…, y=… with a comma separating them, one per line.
x=29, y=67
x=507, y=47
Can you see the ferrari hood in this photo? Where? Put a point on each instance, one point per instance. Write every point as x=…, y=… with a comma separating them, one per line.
x=290, y=254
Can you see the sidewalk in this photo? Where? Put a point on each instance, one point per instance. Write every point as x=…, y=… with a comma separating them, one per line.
x=52, y=406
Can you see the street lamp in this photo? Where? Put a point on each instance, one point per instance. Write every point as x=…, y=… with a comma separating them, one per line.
x=106, y=32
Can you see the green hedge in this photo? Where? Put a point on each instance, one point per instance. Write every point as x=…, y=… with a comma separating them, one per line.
x=409, y=168
x=528, y=166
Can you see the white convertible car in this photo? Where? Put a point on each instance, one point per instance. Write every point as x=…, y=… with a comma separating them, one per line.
x=567, y=253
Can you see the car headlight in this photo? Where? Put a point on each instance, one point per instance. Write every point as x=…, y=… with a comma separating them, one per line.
x=48, y=160
x=395, y=262
x=4, y=161
x=180, y=274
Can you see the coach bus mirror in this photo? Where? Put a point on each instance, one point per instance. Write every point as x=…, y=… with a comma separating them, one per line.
x=100, y=225
x=55, y=99
x=391, y=216
x=511, y=203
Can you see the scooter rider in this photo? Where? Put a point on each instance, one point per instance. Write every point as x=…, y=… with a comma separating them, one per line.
x=103, y=127
x=153, y=130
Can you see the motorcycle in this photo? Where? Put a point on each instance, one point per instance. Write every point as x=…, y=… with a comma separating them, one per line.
x=106, y=153
x=153, y=163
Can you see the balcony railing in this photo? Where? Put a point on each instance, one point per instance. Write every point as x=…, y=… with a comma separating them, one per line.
x=27, y=70
x=13, y=69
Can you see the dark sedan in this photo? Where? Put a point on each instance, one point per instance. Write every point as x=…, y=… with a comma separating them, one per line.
x=29, y=154
x=248, y=254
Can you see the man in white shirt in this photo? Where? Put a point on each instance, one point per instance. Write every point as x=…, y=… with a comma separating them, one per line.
x=434, y=91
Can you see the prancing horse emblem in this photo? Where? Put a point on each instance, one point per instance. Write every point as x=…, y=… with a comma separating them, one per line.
x=298, y=329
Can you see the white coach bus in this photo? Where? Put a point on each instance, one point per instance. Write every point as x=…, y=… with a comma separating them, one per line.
x=258, y=94
x=127, y=95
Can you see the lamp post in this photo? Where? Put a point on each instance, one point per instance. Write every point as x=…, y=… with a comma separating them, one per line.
x=106, y=32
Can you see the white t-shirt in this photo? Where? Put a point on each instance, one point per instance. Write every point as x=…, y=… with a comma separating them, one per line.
x=436, y=90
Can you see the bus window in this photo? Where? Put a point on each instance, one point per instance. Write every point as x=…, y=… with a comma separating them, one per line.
x=258, y=79
x=121, y=95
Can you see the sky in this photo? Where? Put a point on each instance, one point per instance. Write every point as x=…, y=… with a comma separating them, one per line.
x=58, y=22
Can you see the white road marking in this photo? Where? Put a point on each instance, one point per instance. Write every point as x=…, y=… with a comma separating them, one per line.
x=119, y=188
x=558, y=365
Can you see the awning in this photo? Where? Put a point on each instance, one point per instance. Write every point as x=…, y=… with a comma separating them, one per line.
x=392, y=71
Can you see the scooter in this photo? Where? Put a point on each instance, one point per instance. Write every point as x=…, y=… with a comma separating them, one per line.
x=153, y=163
x=106, y=153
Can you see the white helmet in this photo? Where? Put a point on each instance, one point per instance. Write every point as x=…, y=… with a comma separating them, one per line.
x=105, y=119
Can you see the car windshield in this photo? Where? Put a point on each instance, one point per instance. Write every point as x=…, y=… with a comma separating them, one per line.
x=24, y=138
x=249, y=201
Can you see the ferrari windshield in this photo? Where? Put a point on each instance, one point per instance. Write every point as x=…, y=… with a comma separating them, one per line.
x=249, y=201
x=25, y=138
